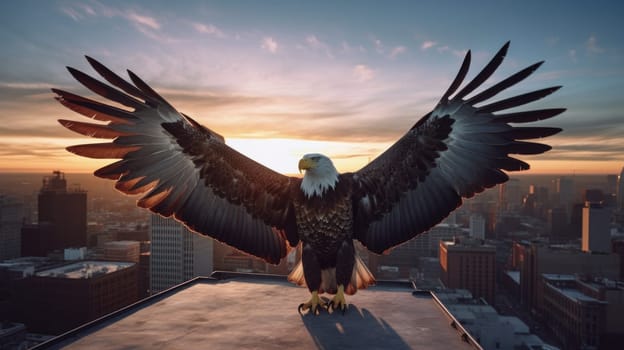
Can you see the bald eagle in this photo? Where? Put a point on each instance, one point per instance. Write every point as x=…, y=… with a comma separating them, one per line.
x=186, y=171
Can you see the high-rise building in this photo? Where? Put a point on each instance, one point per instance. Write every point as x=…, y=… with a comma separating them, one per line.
x=596, y=236
x=620, y=191
x=469, y=264
x=11, y=215
x=477, y=226
x=558, y=227
x=65, y=210
x=177, y=254
x=510, y=195
x=565, y=191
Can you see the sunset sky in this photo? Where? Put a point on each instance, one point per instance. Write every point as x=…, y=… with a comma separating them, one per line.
x=282, y=78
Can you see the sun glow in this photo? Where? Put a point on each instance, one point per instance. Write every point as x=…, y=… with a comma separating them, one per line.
x=282, y=155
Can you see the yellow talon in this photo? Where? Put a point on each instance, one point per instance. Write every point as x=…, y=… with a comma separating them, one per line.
x=312, y=305
x=339, y=301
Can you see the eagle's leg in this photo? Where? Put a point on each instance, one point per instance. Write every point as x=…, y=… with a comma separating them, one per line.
x=312, y=273
x=344, y=269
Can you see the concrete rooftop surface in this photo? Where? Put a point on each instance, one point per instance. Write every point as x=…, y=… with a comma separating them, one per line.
x=239, y=311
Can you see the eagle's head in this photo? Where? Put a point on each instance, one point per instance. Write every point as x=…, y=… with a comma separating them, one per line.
x=320, y=174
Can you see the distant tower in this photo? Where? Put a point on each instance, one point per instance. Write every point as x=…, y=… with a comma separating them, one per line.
x=596, y=235
x=510, y=196
x=65, y=210
x=565, y=191
x=620, y=191
x=177, y=254
x=477, y=226
x=558, y=225
x=11, y=214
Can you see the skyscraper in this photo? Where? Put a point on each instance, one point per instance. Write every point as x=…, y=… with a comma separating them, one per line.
x=65, y=210
x=177, y=254
x=565, y=192
x=510, y=195
x=477, y=226
x=596, y=235
x=620, y=191
x=11, y=214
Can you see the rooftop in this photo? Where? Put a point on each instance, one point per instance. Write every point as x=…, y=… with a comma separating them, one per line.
x=243, y=311
x=84, y=269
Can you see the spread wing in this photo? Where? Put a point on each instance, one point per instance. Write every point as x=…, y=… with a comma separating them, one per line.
x=455, y=151
x=181, y=168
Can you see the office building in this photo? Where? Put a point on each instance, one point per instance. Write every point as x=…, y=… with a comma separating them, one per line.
x=55, y=300
x=619, y=198
x=584, y=313
x=596, y=235
x=565, y=194
x=510, y=196
x=62, y=218
x=404, y=258
x=177, y=253
x=535, y=259
x=11, y=216
x=469, y=264
x=122, y=251
x=558, y=227
x=489, y=328
x=477, y=226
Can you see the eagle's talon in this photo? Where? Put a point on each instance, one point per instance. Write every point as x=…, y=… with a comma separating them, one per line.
x=300, y=308
x=312, y=306
x=338, y=301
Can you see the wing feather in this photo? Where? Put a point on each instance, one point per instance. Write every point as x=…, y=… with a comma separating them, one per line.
x=454, y=152
x=182, y=169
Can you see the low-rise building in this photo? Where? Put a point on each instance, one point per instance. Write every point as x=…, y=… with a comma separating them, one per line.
x=54, y=300
x=469, y=264
x=584, y=314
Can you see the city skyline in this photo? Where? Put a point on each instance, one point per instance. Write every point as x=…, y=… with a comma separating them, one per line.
x=281, y=79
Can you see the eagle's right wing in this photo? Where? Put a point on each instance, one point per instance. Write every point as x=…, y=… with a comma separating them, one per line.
x=183, y=169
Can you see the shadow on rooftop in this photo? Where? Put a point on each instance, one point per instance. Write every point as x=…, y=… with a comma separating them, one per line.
x=337, y=331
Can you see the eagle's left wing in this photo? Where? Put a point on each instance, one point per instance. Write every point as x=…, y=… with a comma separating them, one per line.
x=455, y=151
x=182, y=168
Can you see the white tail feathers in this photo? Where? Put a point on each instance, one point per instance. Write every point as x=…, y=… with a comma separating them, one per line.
x=360, y=278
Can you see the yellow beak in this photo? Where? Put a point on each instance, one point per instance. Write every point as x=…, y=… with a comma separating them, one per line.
x=306, y=163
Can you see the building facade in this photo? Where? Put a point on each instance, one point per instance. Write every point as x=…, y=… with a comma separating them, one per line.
x=469, y=264
x=584, y=314
x=596, y=236
x=535, y=259
x=55, y=300
x=177, y=254
x=66, y=209
x=11, y=216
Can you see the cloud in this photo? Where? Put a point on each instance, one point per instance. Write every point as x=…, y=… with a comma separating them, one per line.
x=269, y=44
x=397, y=51
x=379, y=47
x=591, y=45
x=208, y=29
x=363, y=73
x=142, y=20
x=572, y=55
x=315, y=43
x=148, y=25
x=427, y=44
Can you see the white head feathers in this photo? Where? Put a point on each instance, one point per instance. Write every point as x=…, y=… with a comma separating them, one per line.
x=320, y=174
